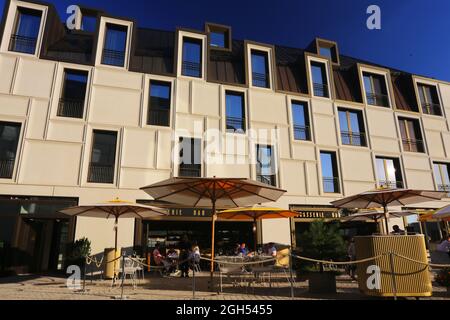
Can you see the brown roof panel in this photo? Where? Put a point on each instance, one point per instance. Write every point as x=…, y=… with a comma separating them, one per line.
x=346, y=83
x=227, y=66
x=291, y=70
x=405, y=98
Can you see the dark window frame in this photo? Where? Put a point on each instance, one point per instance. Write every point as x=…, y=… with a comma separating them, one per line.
x=163, y=115
x=190, y=169
x=441, y=186
x=21, y=40
x=70, y=107
x=409, y=143
x=218, y=28
x=433, y=107
x=230, y=121
x=354, y=138
x=257, y=76
x=373, y=98
x=270, y=179
x=8, y=165
x=399, y=182
x=193, y=66
x=320, y=90
x=298, y=129
x=105, y=172
x=112, y=53
x=335, y=179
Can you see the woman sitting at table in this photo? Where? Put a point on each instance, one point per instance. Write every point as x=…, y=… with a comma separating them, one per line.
x=160, y=259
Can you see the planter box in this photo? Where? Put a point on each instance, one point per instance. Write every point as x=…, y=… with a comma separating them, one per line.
x=411, y=279
x=322, y=282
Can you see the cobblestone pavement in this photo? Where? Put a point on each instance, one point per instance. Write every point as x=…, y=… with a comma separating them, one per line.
x=50, y=287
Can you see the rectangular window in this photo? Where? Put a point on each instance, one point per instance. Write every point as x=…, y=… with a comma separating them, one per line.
x=190, y=157
x=441, y=176
x=26, y=31
x=115, y=45
x=71, y=103
x=159, y=104
x=235, y=111
x=9, y=140
x=192, y=57
x=352, y=127
x=265, y=165
x=376, y=89
x=411, y=135
x=217, y=39
x=319, y=79
x=330, y=176
x=103, y=157
x=300, y=119
x=389, y=174
x=260, y=69
x=429, y=100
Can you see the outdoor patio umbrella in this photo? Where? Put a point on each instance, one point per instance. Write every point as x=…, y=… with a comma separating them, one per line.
x=376, y=215
x=256, y=212
x=387, y=197
x=114, y=209
x=442, y=213
x=213, y=193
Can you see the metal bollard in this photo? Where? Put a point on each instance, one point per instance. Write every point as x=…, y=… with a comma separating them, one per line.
x=394, y=283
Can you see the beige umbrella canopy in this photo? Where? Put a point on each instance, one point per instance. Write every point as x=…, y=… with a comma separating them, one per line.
x=387, y=197
x=256, y=212
x=213, y=193
x=114, y=209
x=376, y=215
x=442, y=213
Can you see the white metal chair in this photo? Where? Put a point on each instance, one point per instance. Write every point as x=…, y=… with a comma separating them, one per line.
x=128, y=269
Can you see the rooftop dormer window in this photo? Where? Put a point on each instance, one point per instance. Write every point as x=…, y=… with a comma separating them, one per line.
x=429, y=99
x=191, y=64
x=319, y=79
x=260, y=69
x=219, y=36
x=115, y=44
x=328, y=49
x=376, y=89
x=25, y=31
x=88, y=23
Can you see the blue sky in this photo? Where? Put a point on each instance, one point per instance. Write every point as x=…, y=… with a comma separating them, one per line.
x=413, y=35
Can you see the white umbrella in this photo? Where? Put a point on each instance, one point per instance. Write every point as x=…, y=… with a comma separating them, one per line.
x=442, y=213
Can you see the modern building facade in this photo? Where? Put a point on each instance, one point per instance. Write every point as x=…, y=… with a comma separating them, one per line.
x=94, y=113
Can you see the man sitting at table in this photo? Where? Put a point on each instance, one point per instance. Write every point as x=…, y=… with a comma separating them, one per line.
x=160, y=260
x=243, y=250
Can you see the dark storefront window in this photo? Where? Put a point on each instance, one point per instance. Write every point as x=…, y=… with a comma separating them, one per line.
x=103, y=157
x=9, y=139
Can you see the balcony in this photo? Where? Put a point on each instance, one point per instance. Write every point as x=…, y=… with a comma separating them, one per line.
x=71, y=108
x=191, y=69
x=190, y=170
x=377, y=99
x=235, y=124
x=330, y=184
x=353, y=138
x=6, y=168
x=389, y=184
x=432, y=108
x=320, y=90
x=113, y=57
x=260, y=79
x=101, y=173
x=22, y=44
x=158, y=117
x=301, y=132
x=413, y=145
x=270, y=179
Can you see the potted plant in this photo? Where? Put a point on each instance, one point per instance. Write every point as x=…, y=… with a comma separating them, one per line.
x=78, y=251
x=443, y=278
x=323, y=241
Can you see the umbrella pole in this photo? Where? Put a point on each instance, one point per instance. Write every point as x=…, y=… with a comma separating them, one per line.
x=255, y=240
x=386, y=223
x=212, y=242
x=116, y=227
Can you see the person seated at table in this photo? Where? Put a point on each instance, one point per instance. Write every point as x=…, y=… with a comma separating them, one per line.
x=271, y=250
x=237, y=248
x=172, y=253
x=397, y=231
x=160, y=260
x=243, y=250
x=444, y=246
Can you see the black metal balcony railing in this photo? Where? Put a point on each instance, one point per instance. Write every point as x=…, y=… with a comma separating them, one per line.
x=321, y=90
x=190, y=170
x=6, y=168
x=301, y=132
x=113, y=57
x=235, y=124
x=260, y=79
x=444, y=187
x=432, y=108
x=353, y=138
x=22, y=44
x=71, y=108
x=377, y=99
x=413, y=145
x=270, y=179
x=389, y=184
x=330, y=184
x=101, y=173
x=191, y=69
x=158, y=117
